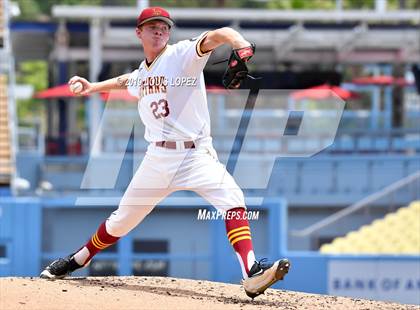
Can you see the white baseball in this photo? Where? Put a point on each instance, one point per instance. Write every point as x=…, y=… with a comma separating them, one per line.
x=76, y=88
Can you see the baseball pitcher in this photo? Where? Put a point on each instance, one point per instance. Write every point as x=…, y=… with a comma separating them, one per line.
x=172, y=104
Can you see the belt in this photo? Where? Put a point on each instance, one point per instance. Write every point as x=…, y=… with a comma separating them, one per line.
x=173, y=144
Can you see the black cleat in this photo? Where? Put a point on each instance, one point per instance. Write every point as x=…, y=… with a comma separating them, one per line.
x=262, y=275
x=60, y=268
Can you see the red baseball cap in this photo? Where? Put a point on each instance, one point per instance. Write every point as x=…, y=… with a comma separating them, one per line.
x=154, y=13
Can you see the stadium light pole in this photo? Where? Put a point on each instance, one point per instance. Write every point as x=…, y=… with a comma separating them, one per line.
x=95, y=103
x=339, y=5
x=141, y=4
x=380, y=6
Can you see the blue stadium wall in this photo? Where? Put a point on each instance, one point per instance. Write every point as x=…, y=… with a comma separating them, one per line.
x=35, y=231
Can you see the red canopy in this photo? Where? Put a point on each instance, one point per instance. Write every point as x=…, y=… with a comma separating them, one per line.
x=323, y=92
x=63, y=91
x=124, y=95
x=118, y=95
x=384, y=80
x=215, y=89
x=60, y=91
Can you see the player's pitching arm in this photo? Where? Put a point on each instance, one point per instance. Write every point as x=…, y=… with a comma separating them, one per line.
x=242, y=51
x=119, y=82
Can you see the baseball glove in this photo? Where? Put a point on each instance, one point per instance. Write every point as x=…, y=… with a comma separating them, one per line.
x=237, y=70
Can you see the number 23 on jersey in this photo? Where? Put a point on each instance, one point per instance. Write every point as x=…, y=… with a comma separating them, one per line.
x=160, y=108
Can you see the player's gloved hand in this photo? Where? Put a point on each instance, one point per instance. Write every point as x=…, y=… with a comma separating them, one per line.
x=237, y=70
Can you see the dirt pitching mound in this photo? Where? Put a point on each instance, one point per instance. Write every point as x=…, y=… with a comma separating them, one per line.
x=107, y=293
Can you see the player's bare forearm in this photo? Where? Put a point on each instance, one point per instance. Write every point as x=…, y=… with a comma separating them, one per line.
x=225, y=35
x=119, y=82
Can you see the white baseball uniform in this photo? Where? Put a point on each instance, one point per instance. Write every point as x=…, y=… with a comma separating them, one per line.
x=173, y=107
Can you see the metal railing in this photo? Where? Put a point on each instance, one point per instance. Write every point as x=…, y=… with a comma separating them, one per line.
x=398, y=141
x=365, y=202
x=237, y=14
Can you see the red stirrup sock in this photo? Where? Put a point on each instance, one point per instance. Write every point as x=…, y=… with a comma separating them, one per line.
x=239, y=235
x=99, y=241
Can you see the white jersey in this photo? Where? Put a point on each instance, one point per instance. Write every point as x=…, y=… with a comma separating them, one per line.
x=172, y=94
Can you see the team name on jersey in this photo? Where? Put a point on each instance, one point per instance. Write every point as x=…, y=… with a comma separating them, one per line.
x=159, y=84
x=153, y=85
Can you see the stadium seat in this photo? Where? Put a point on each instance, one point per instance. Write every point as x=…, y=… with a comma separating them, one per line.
x=396, y=233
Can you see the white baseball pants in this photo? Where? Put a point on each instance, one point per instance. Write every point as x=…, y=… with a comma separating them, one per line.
x=164, y=171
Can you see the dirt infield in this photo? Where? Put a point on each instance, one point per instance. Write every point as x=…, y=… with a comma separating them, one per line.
x=160, y=293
